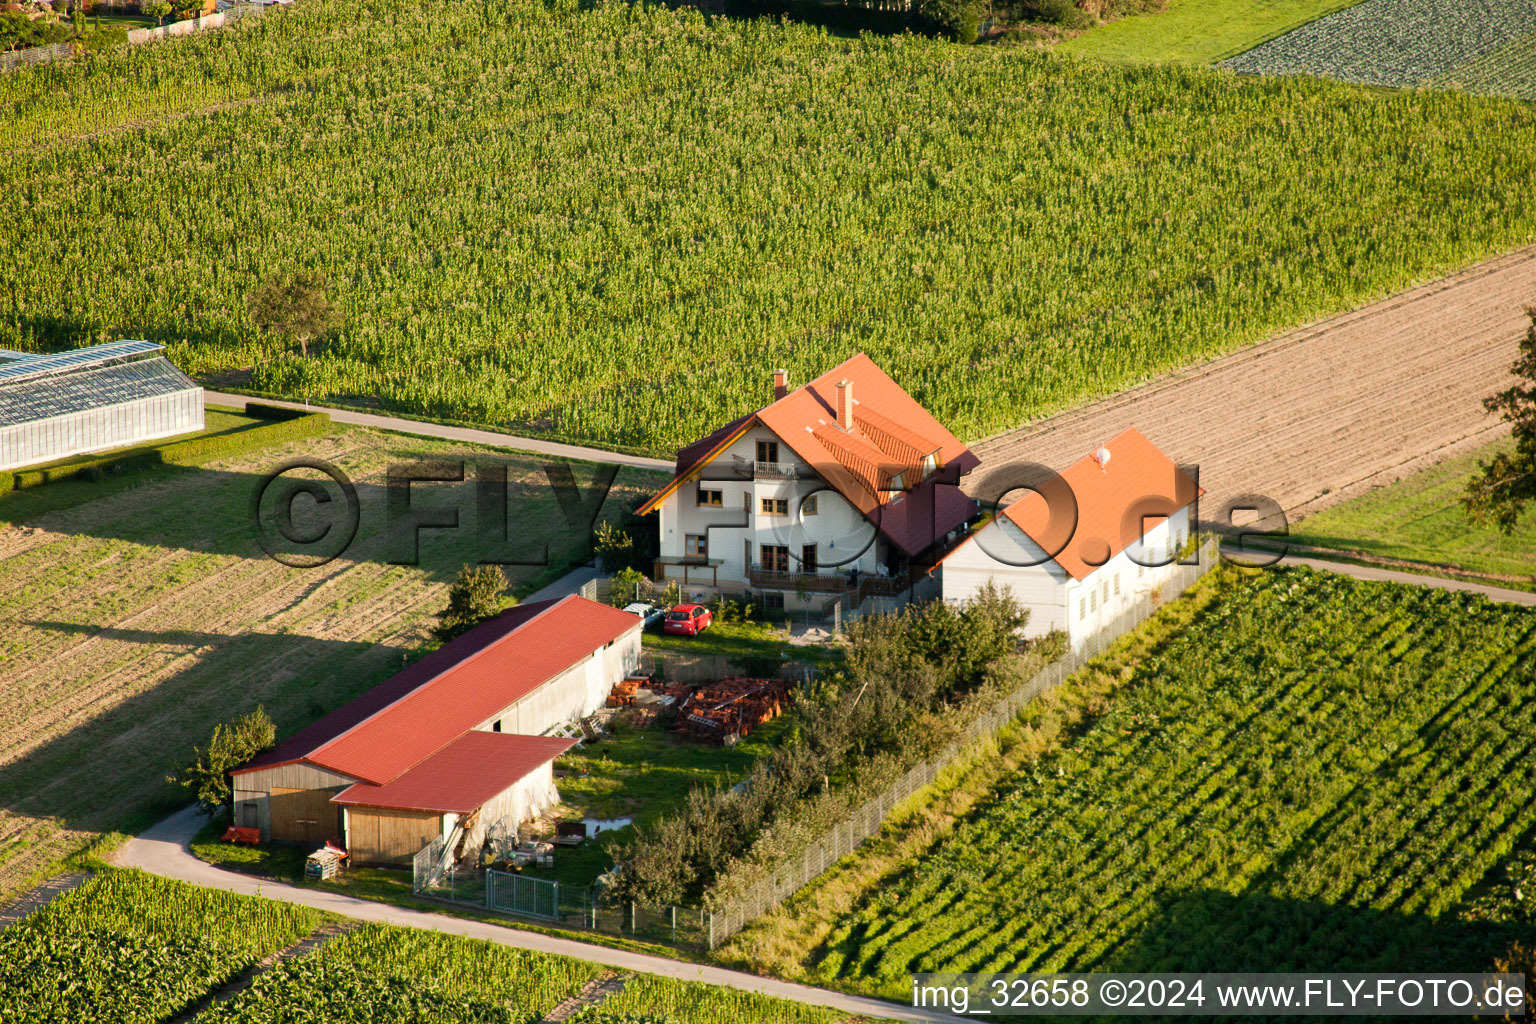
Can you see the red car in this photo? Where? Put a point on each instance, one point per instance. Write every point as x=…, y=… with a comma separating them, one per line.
x=688, y=619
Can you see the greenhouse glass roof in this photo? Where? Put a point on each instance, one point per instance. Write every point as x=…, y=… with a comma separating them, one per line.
x=59, y=393
x=33, y=365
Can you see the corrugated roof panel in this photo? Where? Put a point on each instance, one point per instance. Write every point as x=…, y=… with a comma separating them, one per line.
x=462, y=776
x=384, y=732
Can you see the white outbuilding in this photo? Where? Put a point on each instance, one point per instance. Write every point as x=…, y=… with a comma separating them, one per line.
x=60, y=404
x=1075, y=569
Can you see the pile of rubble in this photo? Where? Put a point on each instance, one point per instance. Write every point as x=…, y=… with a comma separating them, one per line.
x=724, y=711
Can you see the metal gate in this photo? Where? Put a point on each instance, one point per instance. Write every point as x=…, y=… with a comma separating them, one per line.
x=518, y=894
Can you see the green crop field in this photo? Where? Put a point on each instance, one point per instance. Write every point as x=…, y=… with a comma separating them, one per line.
x=1197, y=31
x=1419, y=521
x=612, y=223
x=379, y=973
x=1315, y=773
x=128, y=947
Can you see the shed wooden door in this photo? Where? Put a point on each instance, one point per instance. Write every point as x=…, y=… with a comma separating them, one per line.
x=380, y=836
x=306, y=815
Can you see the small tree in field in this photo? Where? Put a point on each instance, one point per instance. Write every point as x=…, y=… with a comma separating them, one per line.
x=474, y=597
x=295, y=308
x=156, y=9
x=1506, y=483
x=207, y=777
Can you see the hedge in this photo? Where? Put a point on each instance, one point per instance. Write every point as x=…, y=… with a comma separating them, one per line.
x=286, y=425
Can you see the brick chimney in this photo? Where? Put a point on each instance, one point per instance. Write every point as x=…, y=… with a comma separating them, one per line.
x=780, y=384
x=845, y=404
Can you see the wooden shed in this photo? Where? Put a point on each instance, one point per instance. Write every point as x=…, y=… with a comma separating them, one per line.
x=528, y=671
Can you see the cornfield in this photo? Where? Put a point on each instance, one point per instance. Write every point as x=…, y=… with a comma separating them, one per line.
x=610, y=224
x=1317, y=774
x=129, y=947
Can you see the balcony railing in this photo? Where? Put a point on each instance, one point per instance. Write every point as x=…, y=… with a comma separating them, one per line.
x=827, y=583
x=775, y=471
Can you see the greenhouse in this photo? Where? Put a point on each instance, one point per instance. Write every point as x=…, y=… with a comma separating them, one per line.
x=105, y=396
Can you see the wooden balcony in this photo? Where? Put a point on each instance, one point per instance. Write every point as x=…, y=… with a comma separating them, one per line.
x=828, y=583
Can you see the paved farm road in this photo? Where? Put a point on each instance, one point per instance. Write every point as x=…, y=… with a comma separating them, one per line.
x=163, y=850
x=1324, y=412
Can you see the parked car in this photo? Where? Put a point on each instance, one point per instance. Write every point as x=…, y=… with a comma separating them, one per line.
x=650, y=614
x=688, y=619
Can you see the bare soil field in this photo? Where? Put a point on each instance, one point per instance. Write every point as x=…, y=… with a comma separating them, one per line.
x=132, y=623
x=1324, y=412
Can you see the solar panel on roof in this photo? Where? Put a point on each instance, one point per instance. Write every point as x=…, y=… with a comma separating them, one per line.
x=75, y=359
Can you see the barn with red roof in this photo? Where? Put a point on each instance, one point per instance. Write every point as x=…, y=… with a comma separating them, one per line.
x=832, y=491
x=1076, y=552
x=454, y=745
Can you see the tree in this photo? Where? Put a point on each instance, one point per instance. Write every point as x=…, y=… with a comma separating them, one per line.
x=156, y=9
x=207, y=777
x=474, y=597
x=295, y=308
x=1507, y=482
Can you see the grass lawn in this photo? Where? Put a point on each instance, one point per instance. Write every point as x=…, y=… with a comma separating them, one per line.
x=1419, y=521
x=1198, y=31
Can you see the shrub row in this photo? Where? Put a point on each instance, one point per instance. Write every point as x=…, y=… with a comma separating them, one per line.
x=286, y=425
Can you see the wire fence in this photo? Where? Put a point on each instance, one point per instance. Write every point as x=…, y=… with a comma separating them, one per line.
x=773, y=889
x=582, y=908
x=35, y=55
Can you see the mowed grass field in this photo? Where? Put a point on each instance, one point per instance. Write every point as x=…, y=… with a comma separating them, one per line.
x=611, y=221
x=1419, y=521
x=1305, y=772
x=1197, y=31
x=138, y=612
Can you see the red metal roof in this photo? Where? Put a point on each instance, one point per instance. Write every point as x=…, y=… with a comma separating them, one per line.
x=462, y=776
x=418, y=712
x=1115, y=503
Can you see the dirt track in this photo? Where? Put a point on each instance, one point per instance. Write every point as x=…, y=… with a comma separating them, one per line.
x=1325, y=412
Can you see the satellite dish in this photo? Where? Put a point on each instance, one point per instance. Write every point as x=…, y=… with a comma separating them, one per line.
x=1102, y=457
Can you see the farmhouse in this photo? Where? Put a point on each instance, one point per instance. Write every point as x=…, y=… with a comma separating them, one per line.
x=90, y=399
x=449, y=748
x=1076, y=572
x=833, y=491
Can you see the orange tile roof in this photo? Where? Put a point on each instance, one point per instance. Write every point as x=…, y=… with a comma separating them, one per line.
x=462, y=776
x=1112, y=500
x=892, y=433
x=427, y=706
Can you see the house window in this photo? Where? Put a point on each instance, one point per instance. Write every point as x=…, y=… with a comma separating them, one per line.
x=696, y=544
x=710, y=496
x=808, y=506
x=808, y=558
x=1106, y=591
x=775, y=557
x=1093, y=600
x=767, y=451
x=1082, y=608
x=1117, y=585
x=775, y=506
x=773, y=602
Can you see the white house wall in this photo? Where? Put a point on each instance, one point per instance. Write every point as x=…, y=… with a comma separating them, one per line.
x=1055, y=600
x=526, y=799
x=844, y=538
x=91, y=430
x=574, y=693
x=999, y=553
